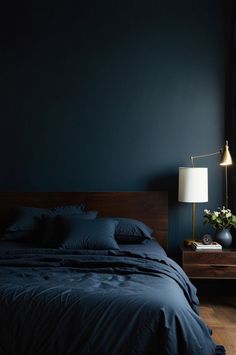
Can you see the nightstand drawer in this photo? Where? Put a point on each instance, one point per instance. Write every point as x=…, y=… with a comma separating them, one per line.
x=210, y=264
x=202, y=271
x=209, y=257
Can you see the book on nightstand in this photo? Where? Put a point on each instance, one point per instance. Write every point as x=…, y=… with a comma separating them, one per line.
x=201, y=246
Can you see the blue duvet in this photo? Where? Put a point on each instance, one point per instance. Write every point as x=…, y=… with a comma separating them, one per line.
x=98, y=303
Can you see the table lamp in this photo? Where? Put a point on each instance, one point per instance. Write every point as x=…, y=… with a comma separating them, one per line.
x=193, y=188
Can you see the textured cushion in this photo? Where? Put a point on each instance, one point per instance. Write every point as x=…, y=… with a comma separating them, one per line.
x=90, y=234
x=131, y=231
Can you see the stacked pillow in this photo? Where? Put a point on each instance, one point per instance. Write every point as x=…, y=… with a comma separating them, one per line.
x=72, y=227
x=57, y=228
x=131, y=231
x=89, y=234
x=28, y=222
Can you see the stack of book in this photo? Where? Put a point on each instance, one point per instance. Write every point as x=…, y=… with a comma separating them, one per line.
x=201, y=246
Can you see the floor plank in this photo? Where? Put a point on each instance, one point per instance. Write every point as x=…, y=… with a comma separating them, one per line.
x=220, y=315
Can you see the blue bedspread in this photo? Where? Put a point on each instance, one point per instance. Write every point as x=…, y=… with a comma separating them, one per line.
x=97, y=303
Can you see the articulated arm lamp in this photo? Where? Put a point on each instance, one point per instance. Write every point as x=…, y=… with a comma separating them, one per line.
x=224, y=161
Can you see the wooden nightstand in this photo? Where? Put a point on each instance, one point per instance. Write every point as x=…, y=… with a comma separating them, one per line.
x=210, y=264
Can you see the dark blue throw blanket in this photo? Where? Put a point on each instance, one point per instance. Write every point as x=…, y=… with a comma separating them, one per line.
x=98, y=303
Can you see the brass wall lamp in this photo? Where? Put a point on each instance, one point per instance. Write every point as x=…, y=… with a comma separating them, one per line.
x=225, y=161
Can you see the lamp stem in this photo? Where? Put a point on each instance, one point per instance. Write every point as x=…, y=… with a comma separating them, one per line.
x=193, y=220
x=226, y=188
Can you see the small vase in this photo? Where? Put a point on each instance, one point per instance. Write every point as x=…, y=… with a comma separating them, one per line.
x=224, y=238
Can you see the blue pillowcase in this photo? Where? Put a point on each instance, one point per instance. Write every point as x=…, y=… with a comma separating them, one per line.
x=131, y=231
x=21, y=236
x=90, y=234
x=26, y=225
x=28, y=220
x=50, y=226
x=56, y=228
x=27, y=217
x=68, y=210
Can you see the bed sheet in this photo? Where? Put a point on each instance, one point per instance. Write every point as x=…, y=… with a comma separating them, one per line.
x=148, y=246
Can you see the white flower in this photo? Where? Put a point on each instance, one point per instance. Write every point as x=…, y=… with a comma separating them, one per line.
x=223, y=218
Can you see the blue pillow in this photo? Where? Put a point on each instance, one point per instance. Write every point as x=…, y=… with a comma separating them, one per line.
x=131, y=231
x=21, y=236
x=56, y=228
x=68, y=210
x=28, y=220
x=90, y=234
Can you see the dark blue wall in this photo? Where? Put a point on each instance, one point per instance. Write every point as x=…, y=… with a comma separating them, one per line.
x=113, y=95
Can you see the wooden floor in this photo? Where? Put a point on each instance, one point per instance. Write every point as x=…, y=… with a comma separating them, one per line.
x=220, y=315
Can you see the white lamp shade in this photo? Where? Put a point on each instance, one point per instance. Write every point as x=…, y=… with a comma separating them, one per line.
x=193, y=185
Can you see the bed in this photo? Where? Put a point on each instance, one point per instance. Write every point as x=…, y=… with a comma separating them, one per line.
x=90, y=298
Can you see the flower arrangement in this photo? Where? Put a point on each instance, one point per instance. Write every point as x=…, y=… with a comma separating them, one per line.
x=222, y=219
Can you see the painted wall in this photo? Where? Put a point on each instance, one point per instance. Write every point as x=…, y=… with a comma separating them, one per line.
x=113, y=95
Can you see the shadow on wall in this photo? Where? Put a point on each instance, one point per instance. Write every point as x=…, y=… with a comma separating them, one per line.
x=167, y=183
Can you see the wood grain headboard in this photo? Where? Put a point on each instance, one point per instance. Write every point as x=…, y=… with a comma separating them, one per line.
x=149, y=207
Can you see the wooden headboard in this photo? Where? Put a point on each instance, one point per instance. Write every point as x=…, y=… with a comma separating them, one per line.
x=149, y=207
